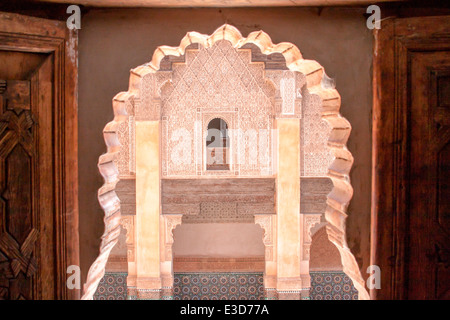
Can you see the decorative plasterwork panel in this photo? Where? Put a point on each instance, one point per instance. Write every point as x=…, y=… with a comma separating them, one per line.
x=328, y=101
x=126, y=161
x=219, y=81
x=218, y=212
x=309, y=221
x=223, y=82
x=128, y=225
x=170, y=223
x=265, y=221
x=317, y=157
x=287, y=91
x=218, y=200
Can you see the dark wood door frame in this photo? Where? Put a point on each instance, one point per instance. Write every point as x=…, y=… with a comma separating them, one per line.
x=394, y=44
x=30, y=34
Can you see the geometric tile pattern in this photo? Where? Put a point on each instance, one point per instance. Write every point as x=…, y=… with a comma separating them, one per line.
x=113, y=286
x=332, y=286
x=231, y=286
x=218, y=286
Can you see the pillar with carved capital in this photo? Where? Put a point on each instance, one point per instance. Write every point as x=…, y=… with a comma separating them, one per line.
x=309, y=221
x=168, y=224
x=268, y=224
x=289, y=222
x=148, y=200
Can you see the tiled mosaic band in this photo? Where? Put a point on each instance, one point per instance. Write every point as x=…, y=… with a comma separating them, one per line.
x=113, y=286
x=218, y=286
x=332, y=286
x=229, y=286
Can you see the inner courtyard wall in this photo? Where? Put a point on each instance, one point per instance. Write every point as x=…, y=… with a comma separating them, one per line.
x=114, y=41
x=232, y=240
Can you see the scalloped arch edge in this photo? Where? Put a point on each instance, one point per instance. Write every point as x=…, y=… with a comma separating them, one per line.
x=338, y=198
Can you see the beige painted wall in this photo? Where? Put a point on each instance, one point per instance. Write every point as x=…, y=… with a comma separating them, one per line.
x=233, y=240
x=111, y=42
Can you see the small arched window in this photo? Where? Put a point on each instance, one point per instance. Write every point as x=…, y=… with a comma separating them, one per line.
x=217, y=145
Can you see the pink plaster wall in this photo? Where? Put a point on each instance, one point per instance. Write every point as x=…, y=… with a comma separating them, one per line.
x=324, y=256
x=233, y=240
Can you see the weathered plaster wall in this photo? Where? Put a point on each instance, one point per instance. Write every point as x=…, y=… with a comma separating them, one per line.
x=233, y=240
x=324, y=255
x=111, y=42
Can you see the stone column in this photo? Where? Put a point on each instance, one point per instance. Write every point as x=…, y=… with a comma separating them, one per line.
x=289, y=222
x=148, y=199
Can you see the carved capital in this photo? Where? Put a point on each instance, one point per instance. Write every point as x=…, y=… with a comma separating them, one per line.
x=170, y=223
x=310, y=220
x=265, y=221
x=128, y=224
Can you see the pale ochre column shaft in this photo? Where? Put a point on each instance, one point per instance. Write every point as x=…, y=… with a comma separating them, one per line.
x=148, y=205
x=288, y=205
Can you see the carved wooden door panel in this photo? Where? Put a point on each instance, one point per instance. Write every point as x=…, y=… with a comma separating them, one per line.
x=27, y=245
x=429, y=216
x=411, y=152
x=38, y=158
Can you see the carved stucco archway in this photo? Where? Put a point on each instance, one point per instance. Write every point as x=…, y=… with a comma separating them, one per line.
x=316, y=84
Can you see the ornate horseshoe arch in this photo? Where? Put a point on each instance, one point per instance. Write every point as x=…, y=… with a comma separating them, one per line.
x=128, y=106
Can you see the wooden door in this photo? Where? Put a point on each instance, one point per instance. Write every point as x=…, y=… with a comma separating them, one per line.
x=429, y=217
x=38, y=210
x=27, y=229
x=411, y=211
